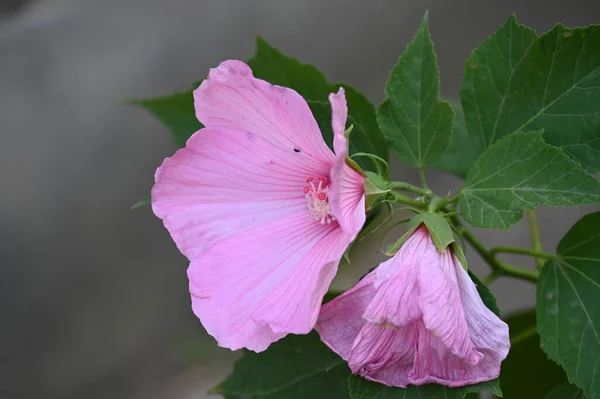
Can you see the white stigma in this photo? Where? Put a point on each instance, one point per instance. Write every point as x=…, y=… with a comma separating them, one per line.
x=317, y=201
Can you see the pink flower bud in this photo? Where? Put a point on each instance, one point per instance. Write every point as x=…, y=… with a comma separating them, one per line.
x=416, y=319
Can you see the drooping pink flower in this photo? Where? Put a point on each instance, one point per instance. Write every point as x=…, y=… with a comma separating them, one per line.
x=416, y=319
x=261, y=207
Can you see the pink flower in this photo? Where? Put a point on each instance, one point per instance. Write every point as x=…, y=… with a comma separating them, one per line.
x=416, y=319
x=262, y=208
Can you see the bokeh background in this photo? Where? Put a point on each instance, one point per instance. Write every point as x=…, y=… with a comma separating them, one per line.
x=93, y=296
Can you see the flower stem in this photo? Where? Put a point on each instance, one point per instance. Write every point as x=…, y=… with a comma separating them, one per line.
x=446, y=201
x=423, y=179
x=400, y=185
x=535, y=237
x=490, y=278
x=522, y=251
x=497, y=266
x=523, y=335
x=403, y=199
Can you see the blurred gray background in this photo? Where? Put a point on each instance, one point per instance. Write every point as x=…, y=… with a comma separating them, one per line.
x=93, y=296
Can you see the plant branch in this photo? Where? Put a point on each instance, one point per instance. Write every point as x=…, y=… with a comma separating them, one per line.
x=403, y=199
x=423, y=179
x=400, y=185
x=535, y=237
x=522, y=251
x=497, y=266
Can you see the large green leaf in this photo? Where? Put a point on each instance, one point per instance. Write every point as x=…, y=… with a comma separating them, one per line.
x=363, y=389
x=297, y=367
x=518, y=173
x=565, y=391
x=568, y=304
x=515, y=81
x=176, y=111
x=516, y=378
x=413, y=119
x=277, y=68
x=462, y=150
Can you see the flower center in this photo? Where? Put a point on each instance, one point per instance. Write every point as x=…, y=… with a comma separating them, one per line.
x=317, y=202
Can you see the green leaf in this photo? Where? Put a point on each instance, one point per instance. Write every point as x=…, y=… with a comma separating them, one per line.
x=462, y=150
x=518, y=173
x=565, y=391
x=176, y=112
x=413, y=119
x=277, y=68
x=516, y=377
x=515, y=81
x=569, y=308
x=363, y=389
x=486, y=295
x=297, y=367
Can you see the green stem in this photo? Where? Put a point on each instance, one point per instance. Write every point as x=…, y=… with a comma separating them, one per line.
x=377, y=161
x=490, y=278
x=523, y=335
x=535, y=237
x=403, y=199
x=400, y=185
x=423, y=179
x=521, y=251
x=447, y=201
x=495, y=264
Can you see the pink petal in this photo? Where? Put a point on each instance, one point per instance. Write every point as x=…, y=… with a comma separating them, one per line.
x=224, y=182
x=383, y=354
x=440, y=302
x=232, y=98
x=457, y=341
x=257, y=286
x=347, y=195
x=341, y=320
x=234, y=205
x=396, y=301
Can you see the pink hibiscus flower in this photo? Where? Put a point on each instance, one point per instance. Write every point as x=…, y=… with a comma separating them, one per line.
x=416, y=319
x=261, y=207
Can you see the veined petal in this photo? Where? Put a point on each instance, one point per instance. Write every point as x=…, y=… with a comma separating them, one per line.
x=347, y=197
x=257, y=286
x=231, y=97
x=225, y=182
x=396, y=301
x=341, y=320
x=440, y=300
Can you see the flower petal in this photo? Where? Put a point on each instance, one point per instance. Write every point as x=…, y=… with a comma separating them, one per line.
x=340, y=319
x=257, y=286
x=225, y=182
x=383, y=354
x=396, y=302
x=440, y=300
x=233, y=98
x=347, y=195
x=488, y=332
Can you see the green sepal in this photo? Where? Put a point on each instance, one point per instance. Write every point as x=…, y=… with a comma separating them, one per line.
x=351, y=162
x=375, y=188
x=143, y=202
x=439, y=229
x=460, y=255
